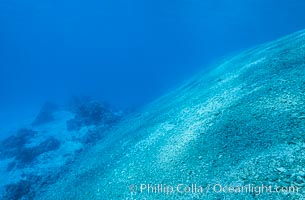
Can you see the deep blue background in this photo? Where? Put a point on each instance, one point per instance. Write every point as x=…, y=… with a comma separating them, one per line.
x=127, y=52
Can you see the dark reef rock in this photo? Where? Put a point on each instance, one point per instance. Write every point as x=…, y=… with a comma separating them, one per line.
x=76, y=101
x=15, y=143
x=28, y=155
x=88, y=112
x=17, y=191
x=46, y=114
x=15, y=147
x=26, y=149
x=24, y=189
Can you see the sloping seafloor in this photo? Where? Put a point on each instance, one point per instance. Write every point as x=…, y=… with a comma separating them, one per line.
x=241, y=122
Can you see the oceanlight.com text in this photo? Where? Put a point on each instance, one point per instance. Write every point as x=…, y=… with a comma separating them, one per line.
x=211, y=188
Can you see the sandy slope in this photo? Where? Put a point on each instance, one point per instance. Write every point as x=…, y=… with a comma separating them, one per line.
x=242, y=122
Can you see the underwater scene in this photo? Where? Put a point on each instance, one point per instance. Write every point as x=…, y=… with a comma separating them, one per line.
x=152, y=99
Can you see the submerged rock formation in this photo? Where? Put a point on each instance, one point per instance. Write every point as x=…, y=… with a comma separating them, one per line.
x=17, y=148
x=240, y=123
x=36, y=156
x=89, y=112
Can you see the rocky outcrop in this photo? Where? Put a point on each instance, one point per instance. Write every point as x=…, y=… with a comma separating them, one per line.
x=89, y=112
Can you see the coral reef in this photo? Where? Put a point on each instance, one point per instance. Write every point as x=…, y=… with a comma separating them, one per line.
x=25, y=188
x=27, y=155
x=25, y=151
x=15, y=143
x=88, y=112
x=18, y=190
x=16, y=147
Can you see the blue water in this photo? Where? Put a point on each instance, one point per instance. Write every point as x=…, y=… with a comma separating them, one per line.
x=125, y=52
